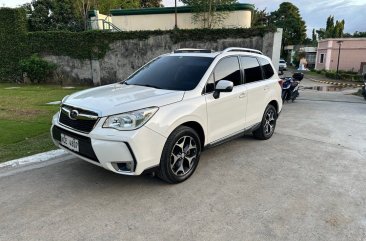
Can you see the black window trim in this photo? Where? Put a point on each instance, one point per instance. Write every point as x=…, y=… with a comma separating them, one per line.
x=212, y=73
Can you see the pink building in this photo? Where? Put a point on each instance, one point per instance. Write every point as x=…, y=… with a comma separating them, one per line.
x=352, y=54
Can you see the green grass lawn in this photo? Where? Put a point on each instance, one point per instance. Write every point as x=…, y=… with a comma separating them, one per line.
x=25, y=118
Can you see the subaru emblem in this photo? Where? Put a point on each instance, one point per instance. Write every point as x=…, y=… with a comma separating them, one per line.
x=74, y=114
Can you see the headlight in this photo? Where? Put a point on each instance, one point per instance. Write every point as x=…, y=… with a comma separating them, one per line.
x=130, y=120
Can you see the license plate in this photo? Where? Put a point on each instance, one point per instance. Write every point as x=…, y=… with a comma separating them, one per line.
x=69, y=142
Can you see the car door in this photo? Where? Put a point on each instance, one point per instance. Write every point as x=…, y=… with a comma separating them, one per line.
x=225, y=115
x=256, y=88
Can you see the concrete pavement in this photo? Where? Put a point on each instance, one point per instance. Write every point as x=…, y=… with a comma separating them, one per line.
x=308, y=182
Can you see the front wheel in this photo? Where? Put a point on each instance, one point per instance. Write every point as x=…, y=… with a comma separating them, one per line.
x=268, y=124
x=180, y=155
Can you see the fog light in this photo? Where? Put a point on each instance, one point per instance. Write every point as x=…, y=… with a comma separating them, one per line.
x=125, y=166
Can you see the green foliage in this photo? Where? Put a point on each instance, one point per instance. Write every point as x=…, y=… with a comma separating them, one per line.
x=36, y=68
x=51, y=15
x=16, y=44
x=151, y=3
x=314, y=36
x=105, y=5
x=13, y=27
x=260, y=18
x=332, y=30
x=355, y=35
x=297, y=57
x=215, y=34
x=343, y=75
x=210, y=13
x=288, y=17
x=95, y=44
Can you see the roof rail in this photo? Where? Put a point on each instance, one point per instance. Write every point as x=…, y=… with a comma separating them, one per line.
x=190, y=50
x=235, y=49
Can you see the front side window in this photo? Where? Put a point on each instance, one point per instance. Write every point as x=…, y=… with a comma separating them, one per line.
x=252, y=69
x=267, y=68
x=172, y=73
x=227, y=69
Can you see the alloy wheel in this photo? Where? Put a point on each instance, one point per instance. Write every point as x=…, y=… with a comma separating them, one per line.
x=183, y=156
x=269, y=122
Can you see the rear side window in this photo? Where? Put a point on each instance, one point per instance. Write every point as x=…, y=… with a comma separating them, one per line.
x=251, y=68
x=267, y=68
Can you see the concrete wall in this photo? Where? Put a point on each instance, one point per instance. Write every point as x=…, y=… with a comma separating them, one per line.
x=124, y=57
x=352, y=56
x=237, y=19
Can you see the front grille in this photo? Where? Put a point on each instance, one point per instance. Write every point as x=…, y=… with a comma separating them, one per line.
x=85, y=147
x=84, y=121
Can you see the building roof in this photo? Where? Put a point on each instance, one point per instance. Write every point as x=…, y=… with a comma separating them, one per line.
x=167, y=10
x=342, y=39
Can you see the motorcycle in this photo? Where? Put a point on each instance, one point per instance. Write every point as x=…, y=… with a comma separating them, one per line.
x=364, y=86
x=290, y=87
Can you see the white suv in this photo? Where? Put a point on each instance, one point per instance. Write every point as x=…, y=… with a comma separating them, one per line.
x=168, y=111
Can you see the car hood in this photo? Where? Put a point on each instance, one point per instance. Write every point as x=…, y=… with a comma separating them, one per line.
x=119, y=98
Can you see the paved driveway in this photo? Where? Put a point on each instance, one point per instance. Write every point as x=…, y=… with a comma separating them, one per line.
x=306, y=183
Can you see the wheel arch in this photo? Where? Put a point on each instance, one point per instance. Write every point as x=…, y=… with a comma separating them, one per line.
x=274, y=103
x=198, y=128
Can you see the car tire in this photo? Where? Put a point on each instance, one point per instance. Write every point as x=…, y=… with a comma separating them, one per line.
x=268, y=124
x=180, y=157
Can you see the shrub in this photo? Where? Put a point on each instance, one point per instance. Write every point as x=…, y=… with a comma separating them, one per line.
x=331, y=75
x=36, y=68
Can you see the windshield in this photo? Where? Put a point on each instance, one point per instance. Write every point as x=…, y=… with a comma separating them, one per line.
x=282, y=61
x=171, y=73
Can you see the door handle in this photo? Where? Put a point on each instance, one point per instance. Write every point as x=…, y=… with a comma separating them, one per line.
x=266, y=87
x=242, y=95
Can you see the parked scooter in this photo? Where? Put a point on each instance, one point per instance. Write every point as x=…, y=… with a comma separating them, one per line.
x=290, y=87
x=364, y=86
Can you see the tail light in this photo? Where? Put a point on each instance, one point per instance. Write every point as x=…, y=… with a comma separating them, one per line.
x=280, y=82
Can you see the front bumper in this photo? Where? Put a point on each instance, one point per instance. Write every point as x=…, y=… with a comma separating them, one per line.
x=123, y=152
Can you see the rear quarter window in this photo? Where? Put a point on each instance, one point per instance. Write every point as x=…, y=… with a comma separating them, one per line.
x=268, y=71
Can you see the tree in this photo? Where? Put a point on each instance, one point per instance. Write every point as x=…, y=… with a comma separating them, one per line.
x=150, y=3
x=289, y=19
x=260, y=18
x=209, y=13
x=65, y=16
x=332, y=30
x=46, y=15
x=40, y=20
x=314, y=37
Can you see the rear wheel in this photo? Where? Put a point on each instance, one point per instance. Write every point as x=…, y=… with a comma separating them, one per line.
x=268, y=124
x=180, y=155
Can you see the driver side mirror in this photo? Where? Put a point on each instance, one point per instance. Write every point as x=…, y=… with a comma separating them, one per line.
x=223, y=86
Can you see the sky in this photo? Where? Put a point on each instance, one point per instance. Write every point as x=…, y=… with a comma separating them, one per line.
x=314, y=13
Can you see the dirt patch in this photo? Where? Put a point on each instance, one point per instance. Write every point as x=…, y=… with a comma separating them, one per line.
x=19, y=113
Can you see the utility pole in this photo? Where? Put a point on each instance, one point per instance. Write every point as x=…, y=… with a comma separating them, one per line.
x=339, y=55
x=176, y=13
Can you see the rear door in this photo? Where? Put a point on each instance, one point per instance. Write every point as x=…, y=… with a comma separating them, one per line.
x=256, y=88
x=226, y=115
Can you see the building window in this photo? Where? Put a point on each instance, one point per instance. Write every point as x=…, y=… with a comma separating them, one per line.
x=322, y=58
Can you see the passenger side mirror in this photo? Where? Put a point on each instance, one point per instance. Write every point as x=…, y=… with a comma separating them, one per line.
x=223, y=86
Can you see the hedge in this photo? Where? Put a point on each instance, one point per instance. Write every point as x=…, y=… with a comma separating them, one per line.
x=13, y=30
x=16, y=43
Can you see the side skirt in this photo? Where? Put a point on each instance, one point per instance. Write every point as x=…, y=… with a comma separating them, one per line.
x=231, y=137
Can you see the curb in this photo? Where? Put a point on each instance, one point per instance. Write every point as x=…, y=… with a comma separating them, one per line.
x=337, y=83
x=37, y=158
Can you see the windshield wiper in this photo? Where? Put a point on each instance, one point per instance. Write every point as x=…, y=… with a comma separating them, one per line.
x=151, y=86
